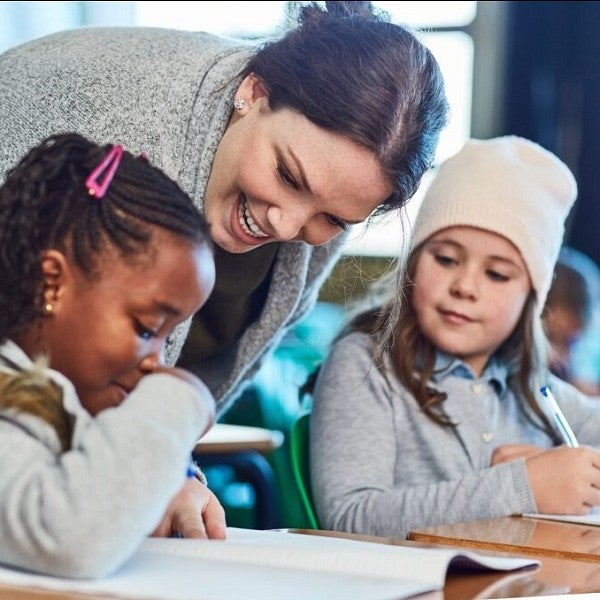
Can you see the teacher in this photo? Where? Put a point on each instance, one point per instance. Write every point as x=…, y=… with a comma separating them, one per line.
x=282, y=146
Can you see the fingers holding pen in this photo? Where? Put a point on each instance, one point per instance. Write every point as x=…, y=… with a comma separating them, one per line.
x=565, y=480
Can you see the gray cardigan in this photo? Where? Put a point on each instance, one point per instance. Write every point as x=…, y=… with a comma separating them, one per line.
x=82, y=513
x=167, y=93
x=381, y=467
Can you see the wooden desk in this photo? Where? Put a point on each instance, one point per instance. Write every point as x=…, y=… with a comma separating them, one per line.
x=228, y=439
x=555, y=576
x=20, y=593
x=518, y=534
x=244, y=448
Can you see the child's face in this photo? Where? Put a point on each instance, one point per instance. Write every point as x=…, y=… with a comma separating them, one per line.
x=470, y=287
x=104, y=334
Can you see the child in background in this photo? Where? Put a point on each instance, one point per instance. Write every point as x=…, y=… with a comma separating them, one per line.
x=570, y=316
x=101, y=256
x=431, y=415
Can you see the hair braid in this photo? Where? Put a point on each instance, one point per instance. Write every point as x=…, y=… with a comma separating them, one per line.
x=44, y=204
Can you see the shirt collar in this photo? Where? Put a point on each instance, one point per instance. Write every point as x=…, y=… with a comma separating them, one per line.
x=495, y=372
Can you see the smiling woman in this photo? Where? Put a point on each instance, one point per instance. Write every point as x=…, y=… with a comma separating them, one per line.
x=287, y=179
x=281, y=145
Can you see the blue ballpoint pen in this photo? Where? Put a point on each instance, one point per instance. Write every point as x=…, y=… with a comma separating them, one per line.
x=191, y=470
x=562, y=426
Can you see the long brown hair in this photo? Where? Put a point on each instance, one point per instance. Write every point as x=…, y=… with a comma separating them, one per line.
x=396, y=333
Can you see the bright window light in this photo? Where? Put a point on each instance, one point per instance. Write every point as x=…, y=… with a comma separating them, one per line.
x=233, y=19
x=427, y=14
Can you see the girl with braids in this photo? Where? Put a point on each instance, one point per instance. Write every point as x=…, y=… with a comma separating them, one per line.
x=431, y=415
x=282, y=146
x=101, y=256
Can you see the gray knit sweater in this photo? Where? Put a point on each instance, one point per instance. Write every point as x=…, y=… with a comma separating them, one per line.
x=381, y=467
x=82, y=513
x=167, y=93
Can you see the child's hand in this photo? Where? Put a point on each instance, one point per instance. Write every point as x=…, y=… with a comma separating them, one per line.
x=510, y=452
x=194, y=512
x=565, y=480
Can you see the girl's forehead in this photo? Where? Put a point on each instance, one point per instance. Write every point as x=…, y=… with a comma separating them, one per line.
x=468, y=236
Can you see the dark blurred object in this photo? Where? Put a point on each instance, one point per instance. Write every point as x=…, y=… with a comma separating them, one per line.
x=552, y=95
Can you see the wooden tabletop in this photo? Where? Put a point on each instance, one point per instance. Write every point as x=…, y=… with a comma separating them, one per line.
x=13, y=593
x=227, y=439
x=555, y=576
x=518, y=534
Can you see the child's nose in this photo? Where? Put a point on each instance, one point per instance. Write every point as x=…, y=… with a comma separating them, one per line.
x=464, y=285
x=154, y=359
x=150, y=362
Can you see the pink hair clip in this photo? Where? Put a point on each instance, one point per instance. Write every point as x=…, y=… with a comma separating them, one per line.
x=108, y=167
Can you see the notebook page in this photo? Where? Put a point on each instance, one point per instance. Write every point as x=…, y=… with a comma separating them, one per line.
x=160, y=577
x=592, y=518
x=263, y=564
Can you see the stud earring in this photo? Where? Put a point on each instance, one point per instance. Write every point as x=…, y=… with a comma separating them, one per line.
x=239, y=104
x=48, y=308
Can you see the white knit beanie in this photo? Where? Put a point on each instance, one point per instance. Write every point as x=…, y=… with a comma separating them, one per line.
x=508, y=185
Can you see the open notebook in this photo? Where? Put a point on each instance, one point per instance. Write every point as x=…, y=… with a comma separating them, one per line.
x=254, y=564
x=592, y=518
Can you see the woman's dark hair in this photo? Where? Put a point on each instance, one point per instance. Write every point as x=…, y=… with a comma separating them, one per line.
x=349, y=70
x=44, y=204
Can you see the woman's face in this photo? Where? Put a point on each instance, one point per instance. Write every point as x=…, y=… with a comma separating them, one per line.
x=278, y=177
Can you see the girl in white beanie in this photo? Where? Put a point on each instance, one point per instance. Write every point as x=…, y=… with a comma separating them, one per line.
x=427, y=413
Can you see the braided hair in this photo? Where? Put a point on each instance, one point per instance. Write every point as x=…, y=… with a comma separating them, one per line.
x=44, y=203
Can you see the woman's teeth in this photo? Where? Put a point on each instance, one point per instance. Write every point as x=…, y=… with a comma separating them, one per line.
x=247, y=222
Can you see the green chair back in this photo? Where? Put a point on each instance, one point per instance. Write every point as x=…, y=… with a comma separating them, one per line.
x=300, y=459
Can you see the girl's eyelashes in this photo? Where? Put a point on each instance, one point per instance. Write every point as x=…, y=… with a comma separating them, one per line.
x=444, y=260
x=495, y=276
x=144, y=332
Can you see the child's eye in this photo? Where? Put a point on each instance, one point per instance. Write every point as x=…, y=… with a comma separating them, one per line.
x=444, y=260
x=284, y=175
x=144, y=332
x=495, y=276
